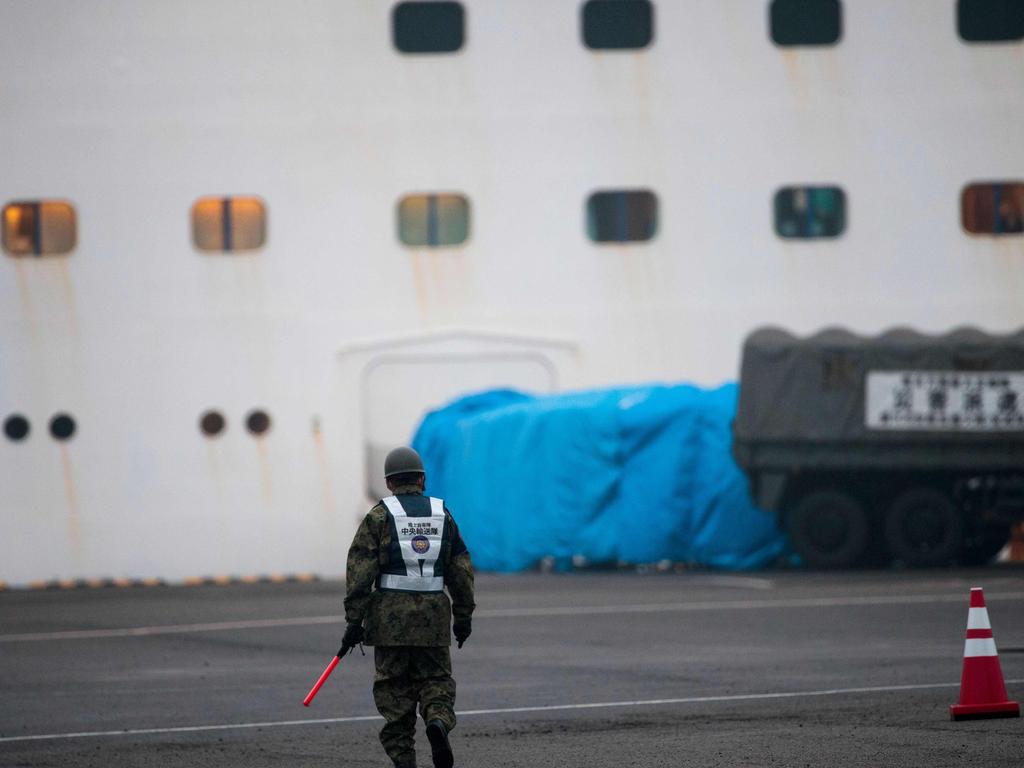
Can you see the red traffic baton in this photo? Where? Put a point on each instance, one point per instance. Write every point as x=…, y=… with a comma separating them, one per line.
x=323, y=679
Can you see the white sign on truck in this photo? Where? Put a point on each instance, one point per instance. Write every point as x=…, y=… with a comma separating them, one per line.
x=992, y=401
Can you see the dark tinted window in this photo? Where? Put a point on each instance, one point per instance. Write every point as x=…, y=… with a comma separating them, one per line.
x=806, y=22
x=618, y=24
x=993, y=208
x=810, y=212
x=16, y=427
x=257, y=422
x=212, y=423
x=619, y=216
x=62, y=426
x=990, y=20
x=428, y=27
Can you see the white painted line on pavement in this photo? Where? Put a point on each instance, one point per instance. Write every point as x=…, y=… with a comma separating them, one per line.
x=739, y=582
x=739, y=605
x=497, y=711
x=187, y=729
x=170, y=629
x=504, y=613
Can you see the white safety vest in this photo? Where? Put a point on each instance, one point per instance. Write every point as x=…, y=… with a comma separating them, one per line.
x=419, y=540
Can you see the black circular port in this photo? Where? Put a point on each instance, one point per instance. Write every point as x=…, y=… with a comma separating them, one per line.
x=257, y=422
x=212, y=423
x=62, y=426
x=16, y=427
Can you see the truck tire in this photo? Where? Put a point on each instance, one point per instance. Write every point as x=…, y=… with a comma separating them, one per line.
x=983, y=544
x=924, y=527
x=828, y=529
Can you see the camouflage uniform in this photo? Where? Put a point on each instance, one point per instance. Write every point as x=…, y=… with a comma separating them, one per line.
x=410, y=631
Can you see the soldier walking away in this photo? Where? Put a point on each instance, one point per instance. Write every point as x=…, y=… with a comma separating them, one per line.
x=406, y=552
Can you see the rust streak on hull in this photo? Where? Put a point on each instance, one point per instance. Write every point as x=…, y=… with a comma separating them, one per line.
x=265, y=482
x=74, y=524
x=68, y=289
x=325, y=472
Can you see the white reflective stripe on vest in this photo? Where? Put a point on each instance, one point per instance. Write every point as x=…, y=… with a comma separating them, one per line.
x=420, y=541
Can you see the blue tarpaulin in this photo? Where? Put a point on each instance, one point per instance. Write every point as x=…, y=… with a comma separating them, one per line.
x=628, y=475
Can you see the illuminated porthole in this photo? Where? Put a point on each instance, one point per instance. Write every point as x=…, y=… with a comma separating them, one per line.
x=258, y=422
x=433, y=221
x=16, y=427
x=622, y=216
x=229, y=224
x=62, y=426
x=39, y=228
x=993, y=208
x=212, y=423
x=806, y=213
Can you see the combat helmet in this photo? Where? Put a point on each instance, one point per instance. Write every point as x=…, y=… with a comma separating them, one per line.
x=402, y=461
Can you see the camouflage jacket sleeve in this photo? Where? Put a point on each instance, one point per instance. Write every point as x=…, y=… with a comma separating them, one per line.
x=459, y=574
x=362, y=567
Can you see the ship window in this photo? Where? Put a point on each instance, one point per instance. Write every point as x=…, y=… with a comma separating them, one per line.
x=619, y=216
x=212, y=423
x=993, y=208
x=39, y=228
x=428, y=27
x=62, y=426
x=810, y=212
x=257, y=422
x=990, y=21
x=806, y=22
x=433, y=220
x=618, y=24
x=16, y=427
x=225, y=224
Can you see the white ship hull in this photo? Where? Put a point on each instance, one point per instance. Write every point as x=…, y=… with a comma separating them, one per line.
x=133, y=111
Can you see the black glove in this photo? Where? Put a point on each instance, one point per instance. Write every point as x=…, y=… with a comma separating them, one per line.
x=353, y=637
x=462, y=628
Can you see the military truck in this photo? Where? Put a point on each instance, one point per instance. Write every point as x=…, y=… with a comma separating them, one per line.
x=902, y=446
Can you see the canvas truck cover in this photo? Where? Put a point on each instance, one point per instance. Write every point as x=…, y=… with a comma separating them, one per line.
x=630, y=475
x=899, y=388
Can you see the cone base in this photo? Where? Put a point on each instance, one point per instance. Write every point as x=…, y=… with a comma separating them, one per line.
x=982, y=711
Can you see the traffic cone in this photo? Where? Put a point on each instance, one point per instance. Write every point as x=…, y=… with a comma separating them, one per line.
x=1017, y=544
x=982, y=690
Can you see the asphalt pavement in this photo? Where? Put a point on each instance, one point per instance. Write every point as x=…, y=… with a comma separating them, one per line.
x=585, y=669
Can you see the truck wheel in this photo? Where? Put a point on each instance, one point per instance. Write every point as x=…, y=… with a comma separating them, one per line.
x=828, y=529
x=923, y=527
x=982, y=545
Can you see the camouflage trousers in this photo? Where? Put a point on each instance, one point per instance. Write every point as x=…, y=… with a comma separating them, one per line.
x=405, y=676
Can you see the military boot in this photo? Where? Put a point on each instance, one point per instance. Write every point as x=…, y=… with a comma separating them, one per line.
x=409, y=762
x=440, y=749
